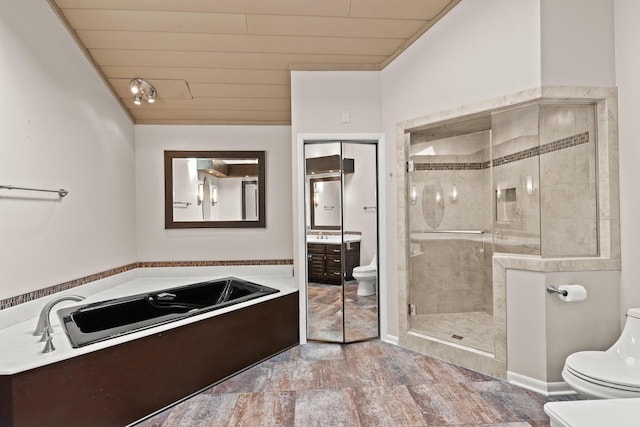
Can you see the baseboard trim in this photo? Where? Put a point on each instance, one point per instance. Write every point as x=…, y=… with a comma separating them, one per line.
x=547, y=389
x=391, y=339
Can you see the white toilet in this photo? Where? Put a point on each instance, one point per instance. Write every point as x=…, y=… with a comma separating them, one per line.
x=366, y=276
x=594, y=413
x=610, y=374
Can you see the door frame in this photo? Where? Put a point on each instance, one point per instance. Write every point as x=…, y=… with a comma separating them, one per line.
x=299, y=254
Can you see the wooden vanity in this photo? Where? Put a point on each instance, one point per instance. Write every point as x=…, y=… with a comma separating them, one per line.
x=325, y=261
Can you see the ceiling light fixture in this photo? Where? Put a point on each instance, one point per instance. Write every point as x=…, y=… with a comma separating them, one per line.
x=142, y=89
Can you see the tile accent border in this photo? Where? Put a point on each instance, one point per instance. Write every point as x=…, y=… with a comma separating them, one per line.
x=33, y=295
x=451, y=166
x=560, y=144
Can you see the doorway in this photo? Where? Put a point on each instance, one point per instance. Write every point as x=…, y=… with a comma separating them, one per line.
x=341, y=240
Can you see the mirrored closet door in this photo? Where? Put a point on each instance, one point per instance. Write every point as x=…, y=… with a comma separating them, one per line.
x=341, y=240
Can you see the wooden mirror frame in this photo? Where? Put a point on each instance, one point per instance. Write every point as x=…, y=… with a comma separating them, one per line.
x=169, y=223
x=312, y=207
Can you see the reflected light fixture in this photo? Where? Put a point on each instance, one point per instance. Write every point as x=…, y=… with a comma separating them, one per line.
x=529, y=184
x=317, y=189
x=142, y=89
x=200, y=193
x=498, y=192
x=438, y=197
x=214, y=196
x=413, y=195
x=454, y=193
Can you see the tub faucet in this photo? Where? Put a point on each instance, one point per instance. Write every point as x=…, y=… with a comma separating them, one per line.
x=44, y=324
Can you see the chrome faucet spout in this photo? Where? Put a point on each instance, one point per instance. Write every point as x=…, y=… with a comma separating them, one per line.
x=43, y=321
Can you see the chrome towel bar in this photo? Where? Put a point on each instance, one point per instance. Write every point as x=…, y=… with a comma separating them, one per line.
x=453, y=231
x=61, y=192
x=186, y=204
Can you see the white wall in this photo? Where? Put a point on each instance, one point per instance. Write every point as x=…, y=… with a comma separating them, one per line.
x=577, y=40
x=627, y=40
x=480, y=50
x=318, y=99
x=61, y=128
x=543, y=330
x=157, y=244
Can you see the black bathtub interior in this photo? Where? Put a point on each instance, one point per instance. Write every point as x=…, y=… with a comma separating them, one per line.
x=102, y=320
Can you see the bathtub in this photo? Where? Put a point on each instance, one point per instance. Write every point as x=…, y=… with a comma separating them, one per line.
x=90, y=323
x=132, y=374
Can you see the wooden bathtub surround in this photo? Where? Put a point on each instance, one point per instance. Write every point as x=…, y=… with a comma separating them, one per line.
x=126, y=382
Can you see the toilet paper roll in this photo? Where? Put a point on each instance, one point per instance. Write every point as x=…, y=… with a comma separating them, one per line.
x=574, y=293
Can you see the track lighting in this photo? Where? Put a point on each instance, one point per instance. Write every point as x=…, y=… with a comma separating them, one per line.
x=142, y=89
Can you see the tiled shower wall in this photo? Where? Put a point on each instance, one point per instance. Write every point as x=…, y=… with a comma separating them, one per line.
x=516, y=221
x=451, y=276
x=545, y=155
x=568, y=181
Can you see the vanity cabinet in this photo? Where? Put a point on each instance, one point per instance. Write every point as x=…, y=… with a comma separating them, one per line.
x=325, y=261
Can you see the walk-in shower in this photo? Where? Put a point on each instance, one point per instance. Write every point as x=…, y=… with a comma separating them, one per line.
x=517, y=180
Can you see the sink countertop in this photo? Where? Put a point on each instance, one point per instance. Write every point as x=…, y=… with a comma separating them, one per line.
x=333, y=239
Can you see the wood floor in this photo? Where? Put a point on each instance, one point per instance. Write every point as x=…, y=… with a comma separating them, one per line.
x=369, y=383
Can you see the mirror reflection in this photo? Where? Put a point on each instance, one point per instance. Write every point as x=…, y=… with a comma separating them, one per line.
x=214, y=189
x=341, y=241
x=325, y=206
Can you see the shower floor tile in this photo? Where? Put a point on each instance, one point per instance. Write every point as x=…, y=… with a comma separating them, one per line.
x=475, y=328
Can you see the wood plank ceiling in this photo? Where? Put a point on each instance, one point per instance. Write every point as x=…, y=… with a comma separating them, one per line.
x=229, y=61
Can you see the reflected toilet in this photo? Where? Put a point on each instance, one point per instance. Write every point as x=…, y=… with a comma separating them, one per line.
x=366, y=276
x=610, y=374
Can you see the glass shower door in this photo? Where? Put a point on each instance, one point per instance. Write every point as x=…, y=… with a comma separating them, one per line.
x=450, y=251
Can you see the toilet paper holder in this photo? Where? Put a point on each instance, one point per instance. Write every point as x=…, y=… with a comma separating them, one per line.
x=554, y=290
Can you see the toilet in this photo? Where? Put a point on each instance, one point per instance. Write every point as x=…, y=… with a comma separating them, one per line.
x=610, y=374
x=366, y=276
x=594, y=413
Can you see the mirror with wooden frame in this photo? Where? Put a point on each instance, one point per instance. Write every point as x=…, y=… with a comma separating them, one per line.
x=214, y=189
x=325, y=203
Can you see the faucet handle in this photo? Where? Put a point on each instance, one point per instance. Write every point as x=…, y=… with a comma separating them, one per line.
x=48, y=347
x=46, y=335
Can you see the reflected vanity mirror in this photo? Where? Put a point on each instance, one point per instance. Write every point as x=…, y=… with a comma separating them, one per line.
x=214, y=189
x=324, y=205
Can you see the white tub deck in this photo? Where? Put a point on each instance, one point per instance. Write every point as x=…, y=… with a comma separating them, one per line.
x=20, y=350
